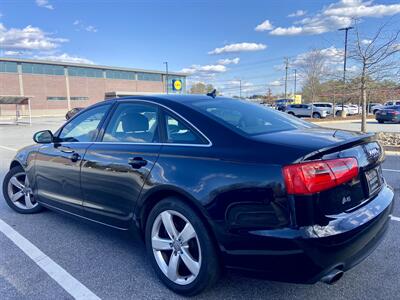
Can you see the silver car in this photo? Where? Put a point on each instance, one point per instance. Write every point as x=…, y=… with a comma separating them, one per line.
x=307, y=110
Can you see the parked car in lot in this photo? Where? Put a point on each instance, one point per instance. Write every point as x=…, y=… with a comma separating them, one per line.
x=389, y=114
x=329, y=107
x=385, y=105
x=213, y=182
x=307, y=110
x=73, y=112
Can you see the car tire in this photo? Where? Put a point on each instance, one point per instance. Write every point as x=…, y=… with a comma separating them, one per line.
x=182, y=253
x=291, y=113
x=17, y=192
x=381, y=121
x=338, y=113
x=316, y=115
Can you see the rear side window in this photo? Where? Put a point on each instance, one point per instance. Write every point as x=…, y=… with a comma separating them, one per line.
x=248, y=118
x=180, y=133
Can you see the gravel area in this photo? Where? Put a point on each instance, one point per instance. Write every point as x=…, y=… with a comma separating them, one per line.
x=389, y=139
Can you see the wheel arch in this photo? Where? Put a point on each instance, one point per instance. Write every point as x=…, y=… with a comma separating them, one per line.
x=15, y=163
x=155, y=196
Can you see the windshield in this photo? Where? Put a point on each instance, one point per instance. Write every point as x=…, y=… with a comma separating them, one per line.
x=248, y=118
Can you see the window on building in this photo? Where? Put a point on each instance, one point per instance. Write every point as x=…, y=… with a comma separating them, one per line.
x=42, y=69
x=79, y=98
x=149, y=76
x=85, y=72
x=56, y=98
x=8, y=67
x=113, y=74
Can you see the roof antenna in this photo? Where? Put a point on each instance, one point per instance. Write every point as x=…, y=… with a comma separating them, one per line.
x=213, y=93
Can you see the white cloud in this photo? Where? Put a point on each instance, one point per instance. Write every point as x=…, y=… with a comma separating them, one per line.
x=366, y=42
x=359, y=9
x=264, y=26
x=238, y=47
x=45, y=4
x=82, y=26
x=336, y=16
x=65, y=58
x=275, y=83
x=1, y=15
x=332, y=56
x=91, y=28
x=205, y=69
x=229, y=61
x=297, y=13
x=28, y=38
x=16, y=53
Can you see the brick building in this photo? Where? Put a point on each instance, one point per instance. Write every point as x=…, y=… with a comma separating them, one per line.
x=55, y=87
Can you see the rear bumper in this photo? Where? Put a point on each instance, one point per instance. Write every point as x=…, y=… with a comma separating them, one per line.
x=305, y=255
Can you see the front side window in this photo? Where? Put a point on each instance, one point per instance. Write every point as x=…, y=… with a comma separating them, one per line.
x=84, y=127
x=133, y=123
x=180, y=133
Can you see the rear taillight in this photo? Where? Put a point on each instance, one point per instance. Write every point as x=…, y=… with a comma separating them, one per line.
x=395, y=112
x=316, y=176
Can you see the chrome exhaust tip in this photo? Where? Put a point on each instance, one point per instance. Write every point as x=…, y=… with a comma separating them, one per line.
x=332, y=277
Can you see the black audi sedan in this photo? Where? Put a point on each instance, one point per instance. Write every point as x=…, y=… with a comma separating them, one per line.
x=213, y=183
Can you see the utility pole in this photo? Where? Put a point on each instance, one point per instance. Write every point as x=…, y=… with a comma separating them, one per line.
x=295, y=82
x=166, y=76
x=345, y=29
x=286, y=70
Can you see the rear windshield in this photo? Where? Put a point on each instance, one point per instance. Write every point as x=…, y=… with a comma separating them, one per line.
x=248, y=118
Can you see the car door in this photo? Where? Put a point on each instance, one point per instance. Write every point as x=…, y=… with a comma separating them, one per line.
x=58, y=164
x=116, y=167
x=305, y=110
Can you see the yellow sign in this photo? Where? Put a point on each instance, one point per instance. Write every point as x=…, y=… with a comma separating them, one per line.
x=297, y=99
x=177, y=85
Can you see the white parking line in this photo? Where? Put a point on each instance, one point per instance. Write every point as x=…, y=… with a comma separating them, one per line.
x=391, y=170
x=71, y=285
x=395, y=218
x=8, y=148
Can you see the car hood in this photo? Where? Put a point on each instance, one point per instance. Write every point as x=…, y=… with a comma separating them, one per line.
x=311, y=141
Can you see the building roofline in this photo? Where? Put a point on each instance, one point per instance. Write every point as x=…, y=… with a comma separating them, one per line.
x=66, y=64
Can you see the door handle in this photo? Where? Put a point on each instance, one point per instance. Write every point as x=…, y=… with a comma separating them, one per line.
x=137, y=162
x=75, y=157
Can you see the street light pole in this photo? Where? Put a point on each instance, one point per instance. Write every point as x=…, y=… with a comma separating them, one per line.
x=240, y=88
x=286, y=70
x=345, y=29
x=295, y=83
x=166, y=76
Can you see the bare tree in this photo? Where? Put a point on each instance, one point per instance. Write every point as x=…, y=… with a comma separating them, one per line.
x=312, y=67
x=375, y=58
x=201, y=88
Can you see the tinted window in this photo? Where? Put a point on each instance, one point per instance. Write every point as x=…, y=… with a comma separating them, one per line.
x=8, y=67
x=84, y=127
x=179, y=132
x=248, y=118
x=134, y=123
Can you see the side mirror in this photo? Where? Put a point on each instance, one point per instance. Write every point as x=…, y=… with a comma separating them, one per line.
x=43, y=137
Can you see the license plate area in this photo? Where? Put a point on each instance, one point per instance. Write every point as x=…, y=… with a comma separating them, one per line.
x=374, y=179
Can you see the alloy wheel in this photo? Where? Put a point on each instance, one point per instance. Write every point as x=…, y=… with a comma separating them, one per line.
x=20, y=193
x=176, y=247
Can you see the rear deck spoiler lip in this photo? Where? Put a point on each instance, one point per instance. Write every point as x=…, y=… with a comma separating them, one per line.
x=367, y=137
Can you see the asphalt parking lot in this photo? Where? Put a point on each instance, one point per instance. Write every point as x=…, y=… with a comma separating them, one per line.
x=112, y=264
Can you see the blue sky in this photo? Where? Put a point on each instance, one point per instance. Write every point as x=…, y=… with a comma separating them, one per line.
x=144, y=34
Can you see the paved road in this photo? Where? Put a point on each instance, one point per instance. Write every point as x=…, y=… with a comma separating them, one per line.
x=113, y=265
x=372, y=126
